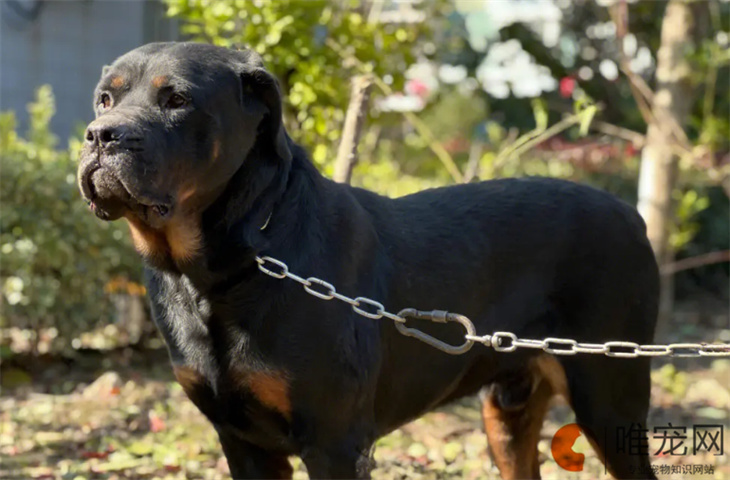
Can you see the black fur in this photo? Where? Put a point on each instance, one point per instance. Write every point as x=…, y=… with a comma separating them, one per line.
x=537, y=257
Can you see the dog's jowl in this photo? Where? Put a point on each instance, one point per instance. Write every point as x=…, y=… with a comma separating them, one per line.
x=189, y=148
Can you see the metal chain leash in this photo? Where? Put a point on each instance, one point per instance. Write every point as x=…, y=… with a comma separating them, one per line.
x=499, y=341
x=508, y=342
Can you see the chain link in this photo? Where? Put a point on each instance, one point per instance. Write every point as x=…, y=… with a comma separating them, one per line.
x=509, y=342
x=373, y=309
x=499, y=341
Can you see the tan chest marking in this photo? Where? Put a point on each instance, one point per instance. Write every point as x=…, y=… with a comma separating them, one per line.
x=184, y=238
x=181, y=239
x=148, y=242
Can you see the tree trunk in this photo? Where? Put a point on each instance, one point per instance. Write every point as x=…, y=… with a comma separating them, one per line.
x=671, y=106
x=354, y=119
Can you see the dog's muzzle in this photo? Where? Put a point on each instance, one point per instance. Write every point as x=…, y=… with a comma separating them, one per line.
x=109, y=177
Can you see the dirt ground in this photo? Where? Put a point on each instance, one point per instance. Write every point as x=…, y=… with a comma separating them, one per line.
x=121, y=415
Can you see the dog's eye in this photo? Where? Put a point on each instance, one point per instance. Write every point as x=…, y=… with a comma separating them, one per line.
x=105, y=101
x=176, y=101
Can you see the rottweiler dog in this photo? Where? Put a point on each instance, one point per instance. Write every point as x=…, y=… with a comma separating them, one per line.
x=189, y=148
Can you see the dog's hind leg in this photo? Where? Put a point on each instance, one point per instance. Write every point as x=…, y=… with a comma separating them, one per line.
x=513, y=410
x=610, y=397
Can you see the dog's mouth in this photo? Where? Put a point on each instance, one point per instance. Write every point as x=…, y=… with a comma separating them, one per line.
x=110, y=196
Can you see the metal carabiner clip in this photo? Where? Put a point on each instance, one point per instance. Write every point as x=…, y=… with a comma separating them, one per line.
x=439, y=316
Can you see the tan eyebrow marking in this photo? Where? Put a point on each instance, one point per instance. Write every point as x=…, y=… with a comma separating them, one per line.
x=159, y=81
x=117, y=81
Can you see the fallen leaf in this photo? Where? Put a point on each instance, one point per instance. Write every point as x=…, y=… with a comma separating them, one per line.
x=452, y=450
x=417, y=450
x=140, y=448
x=156, y=423
x=92, y=454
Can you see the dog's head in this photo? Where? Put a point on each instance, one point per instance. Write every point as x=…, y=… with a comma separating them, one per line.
x=174, y=122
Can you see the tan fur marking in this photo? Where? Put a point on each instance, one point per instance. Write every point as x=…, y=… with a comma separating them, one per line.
x=216, y=149
x=159, y=81
x=117, y=81
x=186, y=194
x=499, y=438
x=181, y=238
x=146, y=241
x=551, y=370
x=184, y=238
x=189, y=379
x=270, y=388
x=513, y=435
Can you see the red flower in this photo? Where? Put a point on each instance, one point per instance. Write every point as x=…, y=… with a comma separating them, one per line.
x=630, y=150
x=417, y=87
x=567, y=85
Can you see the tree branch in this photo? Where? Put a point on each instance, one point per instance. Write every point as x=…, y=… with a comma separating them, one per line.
x=436, y=147
x=354, y=119
x=720, y=256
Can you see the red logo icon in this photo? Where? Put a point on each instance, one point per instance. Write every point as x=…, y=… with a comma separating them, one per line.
x=562, y=448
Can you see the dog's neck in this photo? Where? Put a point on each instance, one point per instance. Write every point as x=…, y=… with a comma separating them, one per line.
x=231, y=232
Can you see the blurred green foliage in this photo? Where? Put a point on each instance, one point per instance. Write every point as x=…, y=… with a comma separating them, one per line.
x=56, y=256
x=291, y=37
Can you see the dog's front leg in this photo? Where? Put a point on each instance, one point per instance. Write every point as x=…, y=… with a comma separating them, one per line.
x=246, y=460
x=348, y=459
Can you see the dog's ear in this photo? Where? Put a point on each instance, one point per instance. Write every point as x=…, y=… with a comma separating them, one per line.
x=257, y=82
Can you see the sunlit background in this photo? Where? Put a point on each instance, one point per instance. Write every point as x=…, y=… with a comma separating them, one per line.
x=629, y=96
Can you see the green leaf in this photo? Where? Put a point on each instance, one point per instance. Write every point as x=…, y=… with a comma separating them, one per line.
x=586, y=118
x=539, y=110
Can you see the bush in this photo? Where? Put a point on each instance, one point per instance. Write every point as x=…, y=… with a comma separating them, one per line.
x=292, y=37
x=57, y=258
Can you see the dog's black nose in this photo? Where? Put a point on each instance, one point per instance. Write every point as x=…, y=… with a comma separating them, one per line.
x=104, y=135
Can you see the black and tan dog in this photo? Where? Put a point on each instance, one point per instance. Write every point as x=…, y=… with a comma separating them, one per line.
x=188, y=146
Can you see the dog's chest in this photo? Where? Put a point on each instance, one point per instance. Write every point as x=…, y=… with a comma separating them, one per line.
x=233, y=390
x=255, y=402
